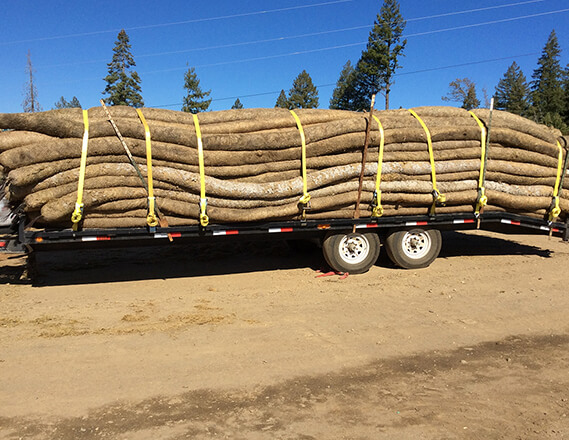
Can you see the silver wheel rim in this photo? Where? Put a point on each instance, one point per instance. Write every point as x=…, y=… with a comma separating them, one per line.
x=354, y=248
x=416, y=244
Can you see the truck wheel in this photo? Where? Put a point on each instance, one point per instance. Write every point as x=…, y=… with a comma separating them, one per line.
x=353, y=253
x=415, y=248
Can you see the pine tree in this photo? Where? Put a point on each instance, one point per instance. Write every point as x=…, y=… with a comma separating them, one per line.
x=237, y=104
x=547, y=88
x=123, y=83
x=463, y=91
x=512, y=91
x=379, y=62
x=195, y=100
x=30, y=103
x=566, y=95
x=64, y=103
x=282, y=101
x=303, y=93
x=343, y=95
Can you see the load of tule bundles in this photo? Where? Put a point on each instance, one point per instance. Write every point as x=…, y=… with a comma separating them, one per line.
x=255, y=168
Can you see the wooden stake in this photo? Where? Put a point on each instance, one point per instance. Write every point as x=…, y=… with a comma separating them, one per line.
x=364, y=160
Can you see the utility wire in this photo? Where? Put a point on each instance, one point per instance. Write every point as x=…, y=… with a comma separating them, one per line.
x=360, y=43
x=177, y=23
x=312, y=34
x=448, y=14
x=342, y=46
x=246, y=14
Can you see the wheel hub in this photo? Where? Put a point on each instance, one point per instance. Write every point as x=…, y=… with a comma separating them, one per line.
x=354, y=248
x=416, y=244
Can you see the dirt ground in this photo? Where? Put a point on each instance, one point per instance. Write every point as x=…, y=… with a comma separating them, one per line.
x=242, y=341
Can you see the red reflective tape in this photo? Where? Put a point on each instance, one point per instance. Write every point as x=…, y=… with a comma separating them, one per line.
x=277, y=230
x=99, y=238
x=176, y=234
x=555, y=230
x=510, y=222
x=230, y=232
x=461, y=221
x=3, y=244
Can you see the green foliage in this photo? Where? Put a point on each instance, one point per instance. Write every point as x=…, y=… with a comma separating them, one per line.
x=512, y=92
x=555, y=120
x=344, y=95
x=566, y=97
x=547, y=85
x=303, y=93
x=380, y=60
x=123, y=83
x=63, y=103
x=237, y=104
x=195, y=100
x=463, y=91
x=282, y=101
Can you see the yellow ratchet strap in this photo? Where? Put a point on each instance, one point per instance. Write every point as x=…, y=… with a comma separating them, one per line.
x=204, y=219
x=438, y=198
x=78, y=212
x=305, y=199
x=377, y=209
x=151, y=218
x=482, y=199
x=556, y=210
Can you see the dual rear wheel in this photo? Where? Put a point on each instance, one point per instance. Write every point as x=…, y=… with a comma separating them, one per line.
x=356, y=252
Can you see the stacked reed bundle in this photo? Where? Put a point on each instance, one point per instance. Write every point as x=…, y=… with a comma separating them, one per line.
x=254, y=169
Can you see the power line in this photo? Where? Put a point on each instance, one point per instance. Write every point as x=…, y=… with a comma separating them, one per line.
x=448, y=14
x=503, y=20
x=348, y=45
x=343, y=46
x=312, y=34
x=177, y=23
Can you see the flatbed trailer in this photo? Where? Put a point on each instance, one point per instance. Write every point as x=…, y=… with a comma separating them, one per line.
x=348, y=245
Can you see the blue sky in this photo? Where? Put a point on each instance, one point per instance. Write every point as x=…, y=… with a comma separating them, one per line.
x=253, y=49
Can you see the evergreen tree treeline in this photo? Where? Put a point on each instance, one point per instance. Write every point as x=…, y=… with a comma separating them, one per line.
x=544, y=99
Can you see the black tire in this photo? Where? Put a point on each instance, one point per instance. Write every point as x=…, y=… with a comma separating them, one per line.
x=413, y=248
x=351, y=252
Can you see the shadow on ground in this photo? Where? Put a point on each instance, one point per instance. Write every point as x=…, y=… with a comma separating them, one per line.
x=457, y=244
x=86, y=266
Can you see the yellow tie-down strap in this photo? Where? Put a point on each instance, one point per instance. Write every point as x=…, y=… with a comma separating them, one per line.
x=556, y=209
x=305, y=199
x=204, y=219
x=482, y=199
x=377, y=209
x=438, y=198
x=151, y=217
x=78, y=212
